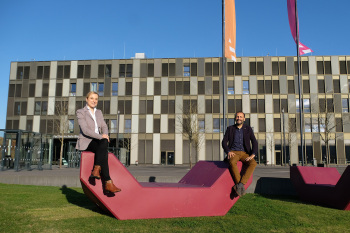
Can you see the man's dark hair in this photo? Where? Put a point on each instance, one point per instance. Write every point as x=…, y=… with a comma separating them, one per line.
x=240, y=112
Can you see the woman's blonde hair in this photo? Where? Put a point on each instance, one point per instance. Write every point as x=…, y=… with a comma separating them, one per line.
x=90, y=93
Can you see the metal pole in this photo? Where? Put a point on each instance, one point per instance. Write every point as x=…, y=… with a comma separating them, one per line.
x=284, y=139
x=117, y=141
x=301, y=104
x=223, y=70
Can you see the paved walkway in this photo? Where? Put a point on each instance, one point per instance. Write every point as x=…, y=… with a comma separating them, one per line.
x=266, y=179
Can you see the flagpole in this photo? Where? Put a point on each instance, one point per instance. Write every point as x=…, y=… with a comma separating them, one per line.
x=301, y=104
x=223, y=70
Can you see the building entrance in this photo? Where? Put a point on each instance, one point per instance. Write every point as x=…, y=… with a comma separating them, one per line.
x=167, y=157
x=278, y=157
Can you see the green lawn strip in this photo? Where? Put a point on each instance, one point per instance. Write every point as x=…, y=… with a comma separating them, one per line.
x=51, y=209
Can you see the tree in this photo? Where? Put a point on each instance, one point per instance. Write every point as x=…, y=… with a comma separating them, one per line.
x=61, y=123
x=190, y=127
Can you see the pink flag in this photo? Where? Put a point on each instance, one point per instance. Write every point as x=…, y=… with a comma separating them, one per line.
x=291, y=15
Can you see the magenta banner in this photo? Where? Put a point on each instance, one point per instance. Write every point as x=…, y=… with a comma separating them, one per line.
x=291, y=16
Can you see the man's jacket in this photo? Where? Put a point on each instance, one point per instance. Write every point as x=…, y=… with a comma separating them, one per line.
x=248, y=137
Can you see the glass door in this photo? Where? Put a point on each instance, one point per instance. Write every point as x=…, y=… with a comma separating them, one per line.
x=167, y=157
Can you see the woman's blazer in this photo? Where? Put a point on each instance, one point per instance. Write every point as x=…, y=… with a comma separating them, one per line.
x=87, y=127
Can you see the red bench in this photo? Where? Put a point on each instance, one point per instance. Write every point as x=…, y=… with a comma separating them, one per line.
x=322, y=185
x=204, y=191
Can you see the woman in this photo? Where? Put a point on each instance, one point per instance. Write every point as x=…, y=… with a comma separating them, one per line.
x=94, y=137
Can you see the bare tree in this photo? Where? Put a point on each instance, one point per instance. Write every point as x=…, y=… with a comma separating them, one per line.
x=190, y=127
x=61, y=123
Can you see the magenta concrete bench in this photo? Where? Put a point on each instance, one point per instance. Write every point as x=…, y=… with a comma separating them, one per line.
x=322, y=185
x=204, y=191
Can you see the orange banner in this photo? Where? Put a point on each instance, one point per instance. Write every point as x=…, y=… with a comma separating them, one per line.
x=230, y=29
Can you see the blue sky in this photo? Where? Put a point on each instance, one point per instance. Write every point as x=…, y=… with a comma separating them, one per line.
x=44, y=30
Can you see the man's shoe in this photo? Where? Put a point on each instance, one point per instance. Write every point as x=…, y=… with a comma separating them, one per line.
x=242, y=189
x=237, y=189
x=96, y=172
x=111, y=188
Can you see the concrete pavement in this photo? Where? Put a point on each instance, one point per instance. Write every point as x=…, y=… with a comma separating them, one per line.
x=272, y=180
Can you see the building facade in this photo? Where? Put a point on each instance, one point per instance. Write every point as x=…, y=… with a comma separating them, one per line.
x=143, y=102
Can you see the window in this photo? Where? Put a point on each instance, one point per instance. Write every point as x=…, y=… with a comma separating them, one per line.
x=304, y=67
x=18, y=90
x=201, y=125
x=321, y=87
x=291, y=87
x=23, y=72
x=262, y=125
x=261, y=106
x=277, y=124
x=324, y=67
x=307, y=107
x=101, y=89
x=150, y=70
x=230, y=87
x=186, y=70
x=253, y=106
x=128, y=88
x=194, y=69
x=127, y=127
x=43, y=107
x=201, y=87
x=93, y=87
x=186, y=87
x=276, y=106
x=114, y=89
x=73, y=89
x=156, y=125
x=31, y=90
x=63, y=71
x=216, y=87
x=171, y=125
x=216, y=125
x=336, y=85
x=306, y=86
x=338, y=125
x=45, y=90
x=71, y=126
x=17, y=109
x=113, y=127
x=342, y=67
x=125, y=70
x=37, y=109
x=268, y=86
x=330, y=105
x=345, y=105
x=276, y=87
x=58, y=89
x=104, y=71
x=245, y=87
x=208, y=69
x=165, y=69
x=43, y=72
x=84, y=71
x=208, y=106
x=157, y=88
x=307, y=127
x=252, y=68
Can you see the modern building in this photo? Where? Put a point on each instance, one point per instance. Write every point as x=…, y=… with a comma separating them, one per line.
x=143, y=101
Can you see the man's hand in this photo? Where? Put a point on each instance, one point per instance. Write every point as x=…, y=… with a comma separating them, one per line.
x=230, y=155
x=250, y=157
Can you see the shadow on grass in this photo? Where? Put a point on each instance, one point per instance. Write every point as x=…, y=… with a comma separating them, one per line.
x=81, y=200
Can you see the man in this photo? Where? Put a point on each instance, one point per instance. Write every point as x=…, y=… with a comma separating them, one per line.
x=236, y=144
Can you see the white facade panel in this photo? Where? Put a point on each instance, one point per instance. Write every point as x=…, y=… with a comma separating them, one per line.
x=178, y=148
x=36, y=124
x=51, y=106
x=150, y=86
x=165, y=86
x=238, y=85
x=134, y=148
x=201, y=104
x=149, y=123
x=13, y=71
x=163, y=123
x=269, y=123
x=121, y=123
x=246, y=104
x=135, y=104
x=268, y=104
x=135, y=124
x=156, y=104
x=65, y=87
x=114, y=105
x=193, y=86
x=208, y=123
x=135, y=86
x=71, y=106
x=38, y=88
x=52, y=88
x=53, y=70
x=74, y=69
x=23, y=123
x=156, y=148
x=121, y=86
x=30, y=106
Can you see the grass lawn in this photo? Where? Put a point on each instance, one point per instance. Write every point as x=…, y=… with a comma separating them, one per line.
x=52, y=209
